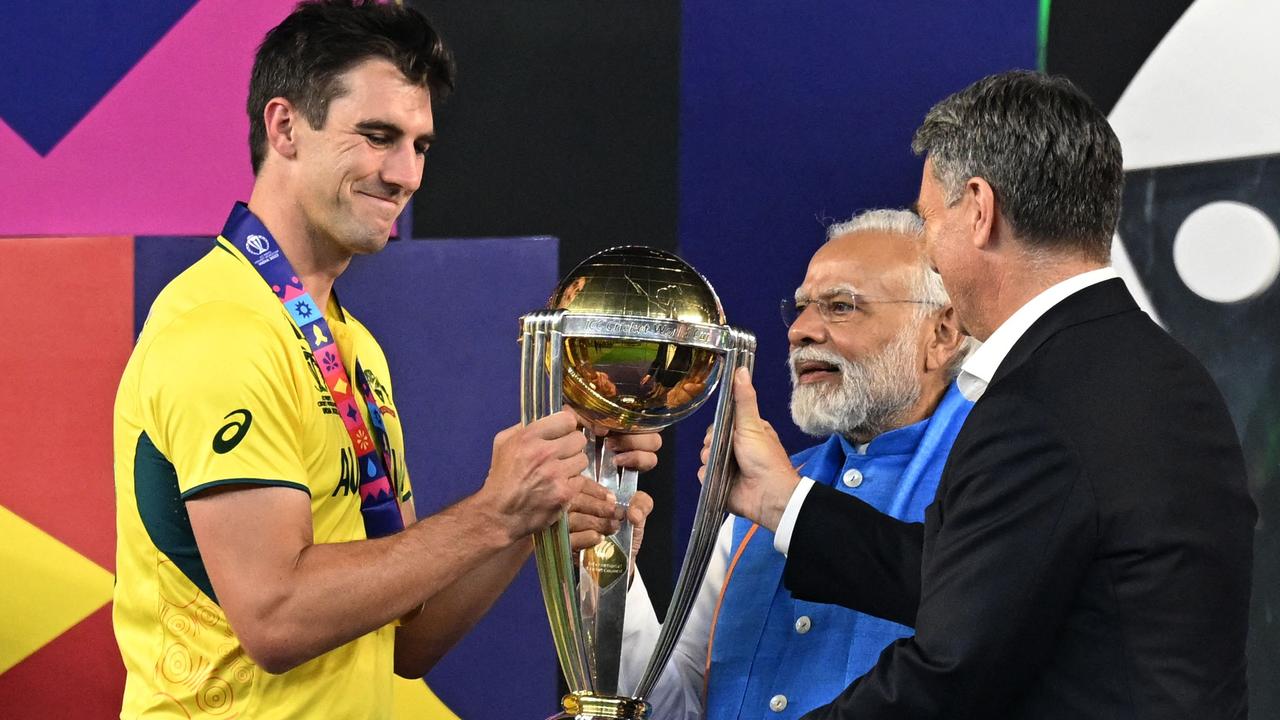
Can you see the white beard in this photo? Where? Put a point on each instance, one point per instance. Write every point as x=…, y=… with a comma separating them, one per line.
x=872, y=396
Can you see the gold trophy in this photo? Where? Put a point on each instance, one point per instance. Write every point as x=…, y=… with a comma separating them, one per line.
x=634, y=340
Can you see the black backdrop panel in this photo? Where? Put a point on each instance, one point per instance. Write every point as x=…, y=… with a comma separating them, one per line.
x=1101, y=45
x=564, y=123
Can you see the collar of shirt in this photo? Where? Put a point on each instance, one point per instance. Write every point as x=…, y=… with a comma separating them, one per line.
x=824, y=463
x=977, y=371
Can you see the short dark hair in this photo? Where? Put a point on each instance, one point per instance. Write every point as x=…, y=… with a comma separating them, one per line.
x=1047, y=151
x=302, y=58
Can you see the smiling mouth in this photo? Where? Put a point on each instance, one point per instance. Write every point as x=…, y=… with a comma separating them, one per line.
x=811, y=371
x=385, y=201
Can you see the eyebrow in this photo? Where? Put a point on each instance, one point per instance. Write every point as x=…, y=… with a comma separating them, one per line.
x=830, y=292
x=393, y=130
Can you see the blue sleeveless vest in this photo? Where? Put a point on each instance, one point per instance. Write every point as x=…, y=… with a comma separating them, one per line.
x=768, y=644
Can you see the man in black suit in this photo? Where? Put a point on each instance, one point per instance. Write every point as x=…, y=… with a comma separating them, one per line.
x=1088, y=553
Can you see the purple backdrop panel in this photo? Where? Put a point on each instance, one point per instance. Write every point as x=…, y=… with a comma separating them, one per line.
x=156, y=261
x=445, y=312
x=791, y=119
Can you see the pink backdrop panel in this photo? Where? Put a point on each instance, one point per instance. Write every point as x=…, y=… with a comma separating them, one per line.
x=164, y=152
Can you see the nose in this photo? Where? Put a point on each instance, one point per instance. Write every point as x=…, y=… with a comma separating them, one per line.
x=808, y=328
x=402, y=167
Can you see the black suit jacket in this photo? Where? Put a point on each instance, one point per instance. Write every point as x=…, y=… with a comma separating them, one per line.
x=1088, y=552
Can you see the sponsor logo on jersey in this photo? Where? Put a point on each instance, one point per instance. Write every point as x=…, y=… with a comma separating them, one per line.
x=230, y=435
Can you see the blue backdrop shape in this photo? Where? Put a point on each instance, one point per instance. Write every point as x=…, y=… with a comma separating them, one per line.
x=796, y=115
x=60, y=57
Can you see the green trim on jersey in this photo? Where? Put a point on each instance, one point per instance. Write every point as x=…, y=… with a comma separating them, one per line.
x=164, y=512
x=257, y=482
x=164, y=516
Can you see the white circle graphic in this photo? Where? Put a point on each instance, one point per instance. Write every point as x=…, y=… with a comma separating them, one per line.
x=1227, y=251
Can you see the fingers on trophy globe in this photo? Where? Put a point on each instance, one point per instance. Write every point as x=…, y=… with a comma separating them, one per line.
x=634, y=339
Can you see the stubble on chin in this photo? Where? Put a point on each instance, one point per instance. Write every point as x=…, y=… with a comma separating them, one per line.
x=369, y=245
x=365, y=237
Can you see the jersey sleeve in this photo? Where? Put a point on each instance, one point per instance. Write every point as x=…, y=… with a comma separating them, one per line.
x=221, y=400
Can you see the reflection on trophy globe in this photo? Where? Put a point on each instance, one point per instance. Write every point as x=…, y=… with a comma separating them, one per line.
x=637, y=385
x=634, y=339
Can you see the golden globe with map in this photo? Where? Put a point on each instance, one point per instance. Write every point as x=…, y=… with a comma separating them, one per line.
x=634, y=339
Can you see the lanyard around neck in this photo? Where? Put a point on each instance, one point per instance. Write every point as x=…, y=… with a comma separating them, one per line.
x=378, y=502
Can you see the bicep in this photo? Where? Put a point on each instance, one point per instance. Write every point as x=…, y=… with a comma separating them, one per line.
x=249, y=539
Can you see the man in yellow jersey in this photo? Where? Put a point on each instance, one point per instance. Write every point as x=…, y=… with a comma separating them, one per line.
x=261, y=572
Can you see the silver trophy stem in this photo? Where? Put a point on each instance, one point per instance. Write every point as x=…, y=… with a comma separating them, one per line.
x=708, y=516
x=605, y=573
x=540, y=373
x=590, y=651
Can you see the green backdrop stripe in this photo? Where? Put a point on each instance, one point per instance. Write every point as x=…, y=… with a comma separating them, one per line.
x=1042, y=41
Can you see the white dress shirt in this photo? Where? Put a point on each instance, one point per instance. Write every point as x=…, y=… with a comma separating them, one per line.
x=977, y=371
x=679, y=691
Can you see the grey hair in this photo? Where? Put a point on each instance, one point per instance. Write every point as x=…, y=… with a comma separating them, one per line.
x=1048, y=152
x=923, y=284
x=897, y=222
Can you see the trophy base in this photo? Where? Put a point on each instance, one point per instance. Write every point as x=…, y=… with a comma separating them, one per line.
x=585, y=706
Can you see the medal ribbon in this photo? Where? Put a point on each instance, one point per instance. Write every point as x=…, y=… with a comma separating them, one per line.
x=379, y=504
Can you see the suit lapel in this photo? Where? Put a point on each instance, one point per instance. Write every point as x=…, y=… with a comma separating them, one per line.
x=1109, y=297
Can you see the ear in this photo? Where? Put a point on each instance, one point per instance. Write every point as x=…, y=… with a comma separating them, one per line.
x=281, y=119
x=944, y=339
x=980, y=200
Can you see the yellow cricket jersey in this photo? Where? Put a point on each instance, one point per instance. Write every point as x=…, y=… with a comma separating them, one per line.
x=222, y=388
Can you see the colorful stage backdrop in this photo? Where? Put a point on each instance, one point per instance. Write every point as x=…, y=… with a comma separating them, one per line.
x=732, y=131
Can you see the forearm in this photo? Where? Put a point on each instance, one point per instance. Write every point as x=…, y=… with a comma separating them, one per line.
x=290, y=599
x=335, y=593
x=453, y=611
x=678, y=694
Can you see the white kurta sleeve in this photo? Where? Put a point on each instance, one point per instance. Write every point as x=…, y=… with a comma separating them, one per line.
x=678, y=694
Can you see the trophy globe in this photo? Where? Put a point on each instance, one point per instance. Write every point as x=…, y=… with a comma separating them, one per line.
x=638, y=385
